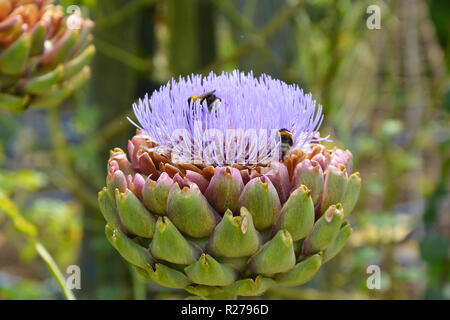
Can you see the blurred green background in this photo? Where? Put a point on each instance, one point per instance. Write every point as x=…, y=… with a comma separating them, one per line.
x=386, y=97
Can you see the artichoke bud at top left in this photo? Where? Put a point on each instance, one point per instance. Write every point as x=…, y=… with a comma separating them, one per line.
x=42, y=60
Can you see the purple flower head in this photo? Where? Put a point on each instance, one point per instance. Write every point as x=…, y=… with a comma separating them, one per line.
x=239, y=124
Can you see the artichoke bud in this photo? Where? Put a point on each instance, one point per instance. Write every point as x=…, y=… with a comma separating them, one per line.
x=297, y=214
x=169, y=244
x=224, y=189
x=128, y=249
x=261, y=199
x=156, y=193
x=234, y=237
x=351, y=193
x=232, y=220
x=107, y=206
x=324, y=231
x=279, y=249
x=208, y=271
x=338, y=243
x=310, y=174
x=134, y=216
x=334, y=187
x=301, y=273
x=190, y=212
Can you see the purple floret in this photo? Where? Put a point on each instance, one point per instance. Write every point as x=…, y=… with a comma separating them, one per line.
x=246, y=104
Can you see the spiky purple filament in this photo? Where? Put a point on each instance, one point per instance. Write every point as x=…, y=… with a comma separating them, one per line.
x=247, y=105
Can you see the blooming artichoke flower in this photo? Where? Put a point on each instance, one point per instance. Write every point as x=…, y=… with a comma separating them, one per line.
x=43, y=54
x=212, y=199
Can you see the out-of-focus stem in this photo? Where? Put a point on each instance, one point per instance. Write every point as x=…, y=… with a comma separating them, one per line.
x=30, y=232
x=139, y=286
x=114, y=128
x=241, y=22
x=54, y=269
x=123, y=56
x=124, y=12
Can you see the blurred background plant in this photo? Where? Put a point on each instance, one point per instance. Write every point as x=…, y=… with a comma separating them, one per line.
x=386, y=97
